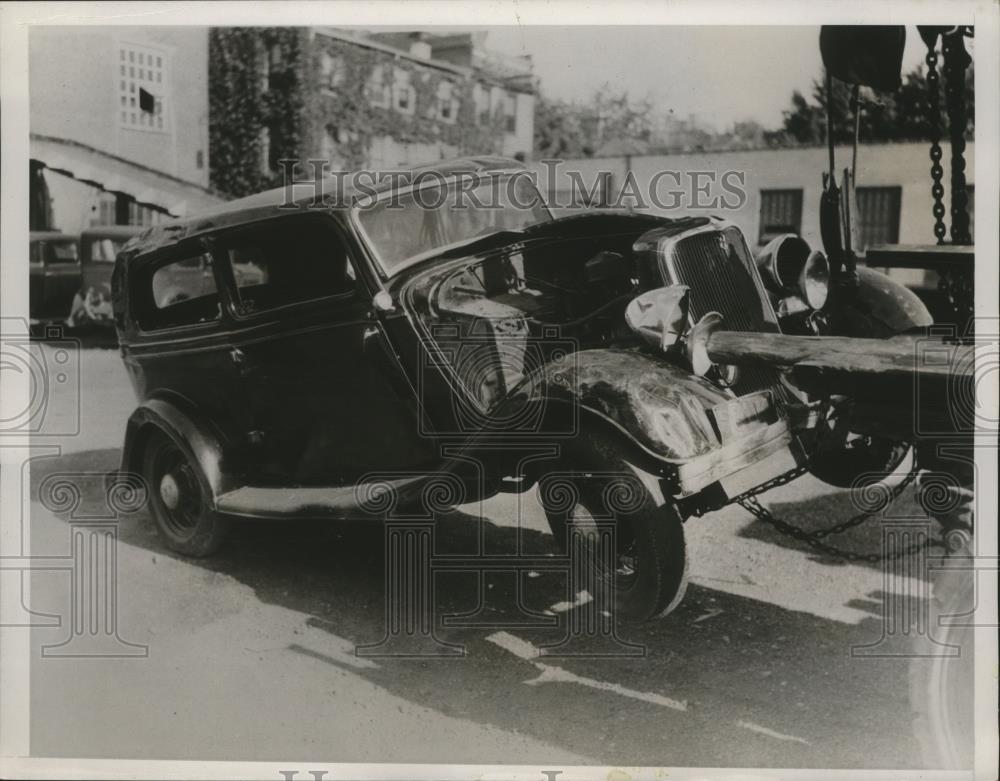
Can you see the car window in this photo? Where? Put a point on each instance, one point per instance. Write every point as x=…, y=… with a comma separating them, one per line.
x=60, y=251
x=105, y=250
x=287, y=264
x=183, y=292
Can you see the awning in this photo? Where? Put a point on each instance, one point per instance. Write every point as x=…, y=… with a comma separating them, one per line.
x=149, y=198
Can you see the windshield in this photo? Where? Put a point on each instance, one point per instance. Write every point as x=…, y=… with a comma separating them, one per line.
x=105, y=250
x=403, y=227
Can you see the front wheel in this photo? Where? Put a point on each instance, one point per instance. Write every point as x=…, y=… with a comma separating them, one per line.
x=179, y=500
x=631, y=545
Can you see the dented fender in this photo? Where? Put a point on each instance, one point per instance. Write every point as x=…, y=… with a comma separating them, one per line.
x=660, y=406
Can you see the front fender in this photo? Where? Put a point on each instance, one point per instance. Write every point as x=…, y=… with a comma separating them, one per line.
x=661, y=407
x=199, y=441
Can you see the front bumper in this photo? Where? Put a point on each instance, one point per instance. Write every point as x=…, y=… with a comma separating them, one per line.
x=742, y=464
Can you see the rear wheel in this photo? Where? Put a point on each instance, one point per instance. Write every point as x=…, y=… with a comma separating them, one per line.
x=589, y=495
x=179, y=499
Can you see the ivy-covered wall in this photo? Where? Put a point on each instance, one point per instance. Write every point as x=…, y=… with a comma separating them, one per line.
x=274, y=78
x=256, y=80
x=349, y=107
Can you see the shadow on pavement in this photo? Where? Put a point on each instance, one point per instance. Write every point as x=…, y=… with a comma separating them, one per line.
x=763, y=685
x=823, y=511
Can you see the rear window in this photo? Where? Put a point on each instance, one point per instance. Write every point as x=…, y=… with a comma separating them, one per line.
x=59, y=251
x=182, y=292
x=289, y=263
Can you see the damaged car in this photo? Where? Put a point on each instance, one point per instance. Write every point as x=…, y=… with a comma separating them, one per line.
x=351, y=360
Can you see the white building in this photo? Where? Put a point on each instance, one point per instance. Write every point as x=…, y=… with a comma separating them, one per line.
x=782, y=189
x=119, y=123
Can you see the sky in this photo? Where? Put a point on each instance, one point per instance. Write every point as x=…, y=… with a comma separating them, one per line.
x=719, y=74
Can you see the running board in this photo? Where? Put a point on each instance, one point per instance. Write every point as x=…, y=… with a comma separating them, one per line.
x=368, y=500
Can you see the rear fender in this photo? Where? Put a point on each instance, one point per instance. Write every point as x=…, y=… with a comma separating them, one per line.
x=196, y=438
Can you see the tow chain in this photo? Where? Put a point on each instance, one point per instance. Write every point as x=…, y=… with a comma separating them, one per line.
x=814, y=539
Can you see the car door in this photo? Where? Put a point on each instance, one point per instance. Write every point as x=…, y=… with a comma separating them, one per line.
x=326, y=395
x=181, y=348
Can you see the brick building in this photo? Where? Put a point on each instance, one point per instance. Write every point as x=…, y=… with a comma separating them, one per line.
x=382, y=100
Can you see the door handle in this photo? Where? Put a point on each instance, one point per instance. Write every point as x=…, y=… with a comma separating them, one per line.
x=240, y=361
x=369, y=333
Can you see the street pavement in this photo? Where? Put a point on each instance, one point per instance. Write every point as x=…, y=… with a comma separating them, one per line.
x=250, y=654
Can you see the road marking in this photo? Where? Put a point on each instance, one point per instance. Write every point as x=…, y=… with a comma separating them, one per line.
x=520, y=648
x=582, y=598
x=770, y=732
x=553, y=674
x=712, y=613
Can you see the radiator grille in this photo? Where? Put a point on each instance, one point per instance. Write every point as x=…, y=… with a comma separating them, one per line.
x=723, y=278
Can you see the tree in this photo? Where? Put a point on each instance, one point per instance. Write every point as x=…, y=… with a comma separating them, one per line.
x=899, y=116
x=564, y=129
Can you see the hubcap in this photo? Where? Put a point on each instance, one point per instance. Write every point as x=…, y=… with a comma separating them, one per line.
x=170, y=492
x=625, y=562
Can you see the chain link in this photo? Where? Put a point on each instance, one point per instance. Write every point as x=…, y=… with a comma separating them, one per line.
x=815, y=538
x=934, y=119
x=956, y=60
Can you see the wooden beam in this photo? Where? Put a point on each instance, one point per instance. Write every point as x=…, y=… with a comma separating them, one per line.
x=901, y=356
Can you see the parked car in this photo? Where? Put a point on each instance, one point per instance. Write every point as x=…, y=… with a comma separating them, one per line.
x=54, y=271
x=347, y=360
x=99, y=246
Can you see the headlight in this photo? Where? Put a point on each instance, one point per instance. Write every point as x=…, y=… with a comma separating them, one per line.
x=789, y=268
x=814, y=282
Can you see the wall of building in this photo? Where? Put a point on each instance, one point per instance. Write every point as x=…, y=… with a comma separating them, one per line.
x=82, y=84
x=906, y=165
x=75, y=83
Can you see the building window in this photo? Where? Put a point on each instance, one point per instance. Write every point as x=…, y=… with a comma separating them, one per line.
x=142, y=80
x=143, y=215
x=404, y=96
x=263, y=68
x=106, y=209
x=447, y=103
x=481, y=102
x=331, y=71
x=510, y=113
x=780, y=212
x=878, y=215
x=379, y=90
x=264, y=146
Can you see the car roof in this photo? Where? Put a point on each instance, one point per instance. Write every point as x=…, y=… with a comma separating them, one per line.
x=112, y=231
x=46, y=235
x=264, y=205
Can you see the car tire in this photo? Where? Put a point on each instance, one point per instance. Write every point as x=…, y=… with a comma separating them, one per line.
x=651, y=566
x=863, y=460
x=179, y=499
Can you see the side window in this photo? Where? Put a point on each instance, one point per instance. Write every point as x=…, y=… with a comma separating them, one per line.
x=61, y=252
x=182, y=292
x=289, y=263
